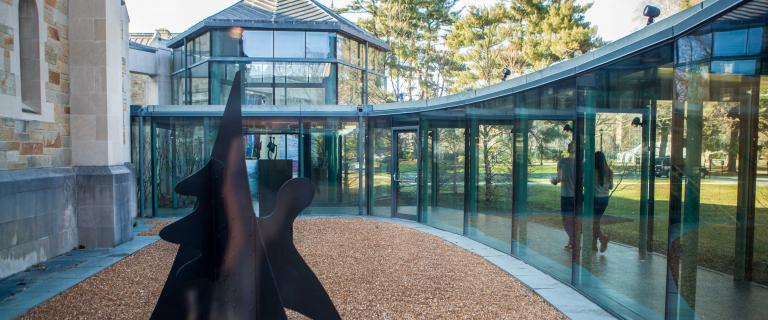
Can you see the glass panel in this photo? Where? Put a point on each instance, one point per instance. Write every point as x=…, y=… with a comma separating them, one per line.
x=381, y=144
x=350, y=86
x=291, y=73
x=319, y=45
x=332, y=164
x=348, y=50
x=305, y=96
x=491, y=220
x=406, y=174
x=712, y=249
x=178, y=58
x=222, y=76
x=550, y=203
x=377, y=89
x=760, y=264
x=376, y=60
x=289, y=44
x=738, y=42
x=258, y=84
x=180, y=151
x=146, y=174
x=190, y=51
x=203, y=46
x=444, y=198
x=179, y=89
x=258, y=44
x=258, y=96
x=259, y=72
x=199, y=84
x=226, y=43
x=695, y=47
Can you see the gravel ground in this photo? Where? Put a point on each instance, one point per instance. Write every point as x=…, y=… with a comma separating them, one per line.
x=372, y=270
x=157, y=225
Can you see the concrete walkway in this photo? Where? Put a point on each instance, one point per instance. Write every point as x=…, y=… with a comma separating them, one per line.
x=25, y=290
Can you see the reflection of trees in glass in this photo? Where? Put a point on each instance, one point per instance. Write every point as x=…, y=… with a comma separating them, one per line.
x=663, y=125
x=450, y=155
x=189, y=156
x=763, y=128
x=496, y=144
x=547, y=141
x=762, y=149
x=720, y=134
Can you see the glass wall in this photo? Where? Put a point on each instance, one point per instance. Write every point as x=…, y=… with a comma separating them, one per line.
x=276, y=83
x=179, y=148
x=444, y=168
x=332, y=161
x=312, y=80
x=258, y=44
x=380, y=163
x=350, y=51
x=199, y=84
x=490, y=187
x=350, y=85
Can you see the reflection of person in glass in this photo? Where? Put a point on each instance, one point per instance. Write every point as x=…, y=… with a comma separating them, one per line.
x=257, y=147
x=603, y=185
x=565, y=177
x=271, y=149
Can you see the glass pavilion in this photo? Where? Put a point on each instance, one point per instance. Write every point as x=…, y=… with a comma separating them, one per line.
x=679, y=108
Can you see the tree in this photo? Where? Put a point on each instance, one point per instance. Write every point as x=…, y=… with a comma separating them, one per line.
x=548, y=31
x=413, y=28
x=478, y=41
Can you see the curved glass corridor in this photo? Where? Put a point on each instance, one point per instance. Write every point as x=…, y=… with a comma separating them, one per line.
x=674, y=223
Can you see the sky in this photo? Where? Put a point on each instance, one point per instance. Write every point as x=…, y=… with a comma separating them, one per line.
x=613, y=18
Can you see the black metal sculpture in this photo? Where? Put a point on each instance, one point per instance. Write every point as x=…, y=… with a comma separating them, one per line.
x=230, y=264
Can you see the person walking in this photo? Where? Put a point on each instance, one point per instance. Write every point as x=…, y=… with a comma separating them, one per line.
x=603, y=180
x=565, y=177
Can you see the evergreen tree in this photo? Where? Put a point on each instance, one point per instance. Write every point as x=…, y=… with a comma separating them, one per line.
x=478, y=40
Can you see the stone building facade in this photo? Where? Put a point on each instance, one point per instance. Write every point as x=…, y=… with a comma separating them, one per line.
x=64, y=144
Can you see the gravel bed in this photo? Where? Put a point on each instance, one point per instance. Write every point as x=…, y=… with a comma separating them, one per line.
x=372, y=270
x=157, y=225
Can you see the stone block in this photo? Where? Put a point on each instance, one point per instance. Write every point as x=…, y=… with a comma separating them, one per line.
x=31, y=148
x=64, y=241
x=9, y=146
x=55, y=143
x=104, y=213
x=95, y=216
x=39, y=161
x=54, y=77
x=20, y=257
x=7, y=207
x=7, y=134
x=53, y=33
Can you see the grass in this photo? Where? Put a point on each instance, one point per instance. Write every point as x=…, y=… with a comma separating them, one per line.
x=717, y=218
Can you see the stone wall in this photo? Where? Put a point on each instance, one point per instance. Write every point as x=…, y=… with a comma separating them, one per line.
x=37, y=219
x=139, y=87
x=32, y=140
x=49, y=202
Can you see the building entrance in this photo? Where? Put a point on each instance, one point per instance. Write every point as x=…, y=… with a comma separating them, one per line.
x=405, y=175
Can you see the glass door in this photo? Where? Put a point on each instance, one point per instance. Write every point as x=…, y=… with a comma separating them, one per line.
x=405, y=175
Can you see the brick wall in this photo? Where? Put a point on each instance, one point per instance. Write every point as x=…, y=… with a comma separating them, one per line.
x=28, y=143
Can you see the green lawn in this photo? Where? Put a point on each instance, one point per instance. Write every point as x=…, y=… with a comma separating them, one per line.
x=717, y=224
